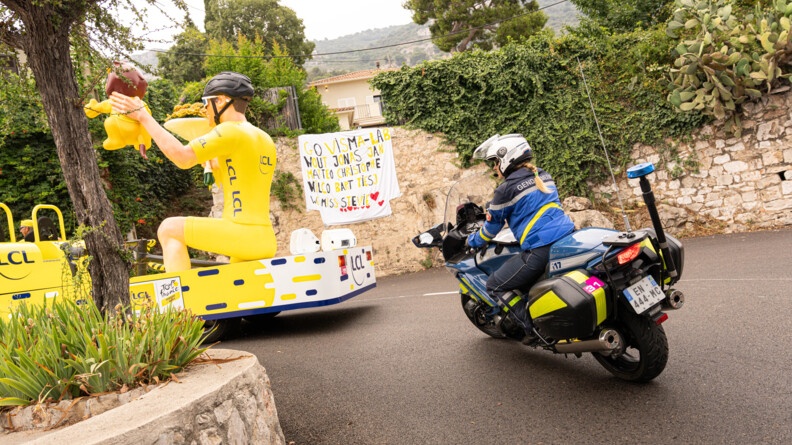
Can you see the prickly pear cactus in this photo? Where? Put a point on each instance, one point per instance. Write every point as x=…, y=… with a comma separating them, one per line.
x=724, y=60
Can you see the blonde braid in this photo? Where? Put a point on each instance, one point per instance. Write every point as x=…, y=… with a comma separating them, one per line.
x=539, y=183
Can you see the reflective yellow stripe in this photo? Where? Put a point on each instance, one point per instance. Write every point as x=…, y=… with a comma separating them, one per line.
x=474, y=293
x=536, y=217
x=545, y=304
x=648, y=244
x=602, y=305
x=578, y=276
x=481, y=234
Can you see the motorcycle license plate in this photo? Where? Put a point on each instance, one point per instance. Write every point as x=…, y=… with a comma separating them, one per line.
x=644, y=294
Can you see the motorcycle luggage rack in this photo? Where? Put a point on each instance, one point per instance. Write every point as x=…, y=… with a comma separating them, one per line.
x=624, y=239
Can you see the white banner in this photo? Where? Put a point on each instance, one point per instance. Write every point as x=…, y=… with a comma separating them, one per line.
x=349, y=176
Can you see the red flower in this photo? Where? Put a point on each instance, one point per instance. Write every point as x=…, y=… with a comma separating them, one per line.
x=138, y=199
x=141, y=221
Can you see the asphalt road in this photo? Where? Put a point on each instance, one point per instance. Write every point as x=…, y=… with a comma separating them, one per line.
x=402, y=365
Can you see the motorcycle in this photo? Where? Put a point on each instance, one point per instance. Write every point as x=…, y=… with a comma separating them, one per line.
x=604, y=292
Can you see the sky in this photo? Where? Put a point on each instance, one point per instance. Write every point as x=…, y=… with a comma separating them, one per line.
x=323, y=19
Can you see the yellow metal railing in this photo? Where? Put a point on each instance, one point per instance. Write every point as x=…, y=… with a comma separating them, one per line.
x=60, y=221
x=10, y=220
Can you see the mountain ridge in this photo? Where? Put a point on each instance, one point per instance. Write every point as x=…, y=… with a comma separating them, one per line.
x=386, y=47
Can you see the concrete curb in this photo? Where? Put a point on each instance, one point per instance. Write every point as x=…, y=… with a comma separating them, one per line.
x=229, y=401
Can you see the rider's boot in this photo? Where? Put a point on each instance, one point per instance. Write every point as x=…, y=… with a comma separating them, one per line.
x=515, y=305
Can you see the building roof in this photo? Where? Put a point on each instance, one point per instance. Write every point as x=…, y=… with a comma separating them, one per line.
x=357, y=75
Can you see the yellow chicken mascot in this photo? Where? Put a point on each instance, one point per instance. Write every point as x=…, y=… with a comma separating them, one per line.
x=121, y=130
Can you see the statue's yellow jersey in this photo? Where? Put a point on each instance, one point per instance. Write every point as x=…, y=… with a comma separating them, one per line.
x=246, y=157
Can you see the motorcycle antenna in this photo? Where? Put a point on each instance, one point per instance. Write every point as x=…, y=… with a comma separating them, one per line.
x=602, y=141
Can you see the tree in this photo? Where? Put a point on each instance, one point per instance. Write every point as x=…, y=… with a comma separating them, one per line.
x=626, y=15
x=279, y=71
x=178, y=64
x=43, y=30
x=273, y=23
x=459, y=25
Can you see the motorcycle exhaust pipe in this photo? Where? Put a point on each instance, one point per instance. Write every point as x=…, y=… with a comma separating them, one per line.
x=675, y=299
x=609, y=340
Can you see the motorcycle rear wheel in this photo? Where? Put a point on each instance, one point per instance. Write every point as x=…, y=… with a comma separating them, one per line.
x=475, y=312
x=646, y=349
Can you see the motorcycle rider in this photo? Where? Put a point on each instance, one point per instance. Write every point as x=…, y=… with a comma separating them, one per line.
x=528, y=201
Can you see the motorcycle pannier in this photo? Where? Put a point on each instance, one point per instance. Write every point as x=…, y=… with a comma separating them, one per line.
x=568, y=306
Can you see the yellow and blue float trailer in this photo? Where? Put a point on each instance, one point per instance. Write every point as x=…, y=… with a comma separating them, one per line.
x=221, y=294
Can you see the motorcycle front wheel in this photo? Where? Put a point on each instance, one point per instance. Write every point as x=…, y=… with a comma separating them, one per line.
x=477, y=314
x=646, y=349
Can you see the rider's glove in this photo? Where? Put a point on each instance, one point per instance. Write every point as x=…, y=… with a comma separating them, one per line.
x=474, y=243
x=208, y=177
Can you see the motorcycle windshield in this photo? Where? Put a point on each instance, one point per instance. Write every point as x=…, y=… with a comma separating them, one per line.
x=474, y=188
x=466, y=201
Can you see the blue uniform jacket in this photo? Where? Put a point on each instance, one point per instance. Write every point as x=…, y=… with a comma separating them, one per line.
x=535, y=218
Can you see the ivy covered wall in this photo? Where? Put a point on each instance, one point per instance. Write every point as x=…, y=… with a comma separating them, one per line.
x=537, y=89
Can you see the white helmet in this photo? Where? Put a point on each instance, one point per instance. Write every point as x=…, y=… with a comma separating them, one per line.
x=509, y=150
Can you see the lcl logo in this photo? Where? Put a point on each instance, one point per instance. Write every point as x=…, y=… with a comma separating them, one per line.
x=15, y=264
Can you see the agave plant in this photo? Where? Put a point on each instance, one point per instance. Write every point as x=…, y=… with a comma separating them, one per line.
x=68, y=349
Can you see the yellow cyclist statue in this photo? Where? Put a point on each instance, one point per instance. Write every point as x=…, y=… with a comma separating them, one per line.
x=243, y=161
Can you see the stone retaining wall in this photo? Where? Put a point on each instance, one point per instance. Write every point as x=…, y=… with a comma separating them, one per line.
x=227, y=400
x=743, y=182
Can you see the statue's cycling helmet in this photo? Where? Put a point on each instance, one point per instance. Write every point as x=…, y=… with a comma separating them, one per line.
x=509, y=151
x=231, y=84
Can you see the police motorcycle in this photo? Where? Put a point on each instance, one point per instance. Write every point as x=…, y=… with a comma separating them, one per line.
x=604, y=292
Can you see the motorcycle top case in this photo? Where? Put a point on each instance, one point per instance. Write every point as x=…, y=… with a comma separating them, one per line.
x=571, y=305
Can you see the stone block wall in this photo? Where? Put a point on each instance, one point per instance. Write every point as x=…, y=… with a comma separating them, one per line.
x=743, y=182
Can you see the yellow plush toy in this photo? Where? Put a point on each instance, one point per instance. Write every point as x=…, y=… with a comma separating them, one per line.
x=121, y=130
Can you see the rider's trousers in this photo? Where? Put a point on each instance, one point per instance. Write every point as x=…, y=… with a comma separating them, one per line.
x=519, y=272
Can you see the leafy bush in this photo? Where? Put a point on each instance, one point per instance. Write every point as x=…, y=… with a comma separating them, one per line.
x=67, y=349
x=267, y=71
x=286, y=188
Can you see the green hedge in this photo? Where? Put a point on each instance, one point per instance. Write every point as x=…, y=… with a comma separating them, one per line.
x=537, y=89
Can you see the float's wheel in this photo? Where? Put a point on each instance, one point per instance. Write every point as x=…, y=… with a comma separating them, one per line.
x=215, y=330
x=261, y=318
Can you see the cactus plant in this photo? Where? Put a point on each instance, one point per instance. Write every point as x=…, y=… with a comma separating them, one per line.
x=724, y=60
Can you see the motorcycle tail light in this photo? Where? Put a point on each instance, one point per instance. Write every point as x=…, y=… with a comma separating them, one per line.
x=660, y=318
x=628, y=254
x=368, y=255
x=341, y=261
